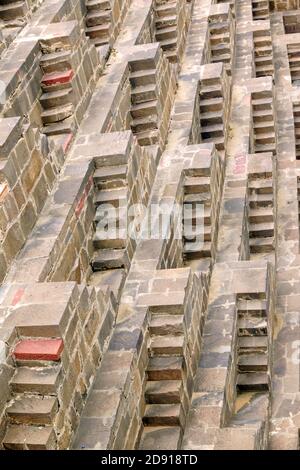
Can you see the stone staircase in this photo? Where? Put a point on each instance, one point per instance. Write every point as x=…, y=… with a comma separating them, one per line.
x=261, y=215
x=99, y=21
x=197, y=218
x=260, y=10
x=221, y=30
x=252, y=344
x=34, y=387
x=57, y=99
x=213, y=102
x=263, y=122
x=170, y=27
x=150, y=98
x=263, y=53
x=111, y=214
x=294, y=61
x=12, y=11
x=296, y=114
x=165, y=388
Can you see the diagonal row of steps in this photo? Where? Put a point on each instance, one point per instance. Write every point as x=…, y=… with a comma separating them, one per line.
x=165, y=393
x=252, y=328
x=34, y=405
x=197, y=218
x=260, y=9
x=263, y=122
x=296, y=114
x=261, y=215
x=166, y=32
x=263, y=53
x=98, y=21
x=57, y=99
x=145, y=102
x=110, y=222
x=214, y=96
x=11, y=10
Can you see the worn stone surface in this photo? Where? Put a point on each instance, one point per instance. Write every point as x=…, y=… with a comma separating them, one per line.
x=149, y=224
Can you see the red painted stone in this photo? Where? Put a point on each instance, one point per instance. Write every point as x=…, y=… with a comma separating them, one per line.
x=67, y=142
x=17, y=297
x=39, y=349
x=57, y=77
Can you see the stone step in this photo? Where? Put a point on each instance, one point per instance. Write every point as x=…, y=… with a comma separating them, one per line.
x=57, y=80
x=211, y=105
x=260, y=200
x=203, y=218
x=29, y=437
x=165, y=21
x=264, y=70
x=163, y=391
x=165, y=9
x=142, y=110
x=195, y=250
x=260, y=104
x=56, y=99
x=114, y=237
x=32, y=410
x=144, y=124
x=109, y=259
x=256, y=307
x=168, y=44
x=253, y=382
x=161, y=438
x=143, y=77
x=262, y=115
x=166, y=325
x=166, y=345
x=265, y=148
x=143, y=93
x=208, y=119
x=41, y=380
x=64, y=127
x=101, y=31
x=55, y=62
x=166, y=33
x=262, y=245
x=52, y=115
x=11, y=11
x=114, y=217
x=261, y=215
x=149, y=137
x=211, y=92
x=163, y=415
x=114, y=197
x=254, y=326
x=165, y=368
x=265, y=127
x=253, y=363
x=196, y=184
x=265, y=138
x=252, y=344
x=261, y=185
x=111, y=177
x=41, y=349
x=192, y=199
x=261, y=230
x=200, y=232
x=98, y=17
x=98, y=5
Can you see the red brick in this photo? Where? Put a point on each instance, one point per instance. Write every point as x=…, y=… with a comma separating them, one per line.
x=57, y=77
x=40, y=349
